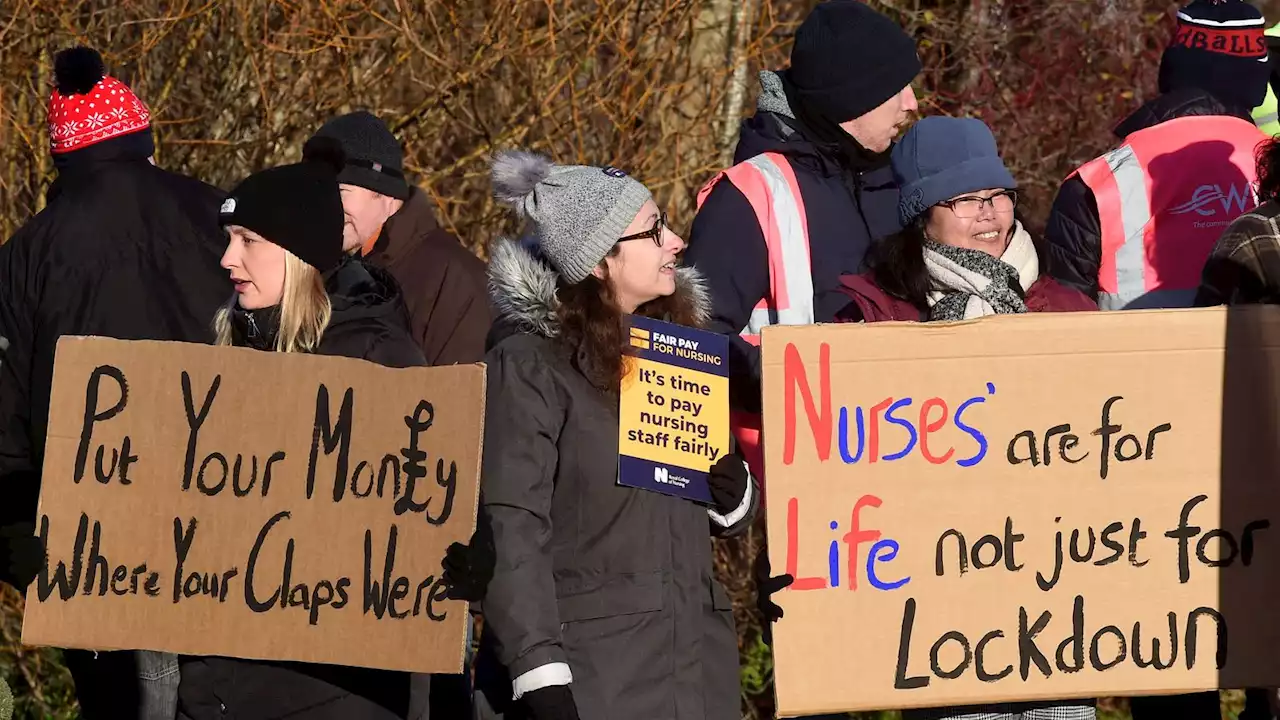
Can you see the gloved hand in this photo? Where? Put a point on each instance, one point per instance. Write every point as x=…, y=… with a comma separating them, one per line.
x=554, y=702
x=22, y=555
x=766, y=586
x=469, y=568
x=728, y=480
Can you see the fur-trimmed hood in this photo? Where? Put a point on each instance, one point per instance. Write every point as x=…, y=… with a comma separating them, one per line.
x=523, y=289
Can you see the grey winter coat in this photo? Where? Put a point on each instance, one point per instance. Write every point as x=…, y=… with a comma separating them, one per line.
x=615, y=582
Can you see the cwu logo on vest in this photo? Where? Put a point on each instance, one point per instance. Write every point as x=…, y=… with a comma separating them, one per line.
x=1206, y=200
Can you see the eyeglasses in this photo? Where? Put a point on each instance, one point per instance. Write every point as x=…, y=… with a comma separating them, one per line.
x=970, y=206
x=654, y=233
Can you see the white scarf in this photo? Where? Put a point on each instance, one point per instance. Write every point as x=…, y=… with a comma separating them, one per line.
x=978, y=278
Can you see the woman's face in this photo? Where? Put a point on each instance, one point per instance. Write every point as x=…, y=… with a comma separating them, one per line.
x=978, y=220
x=256, y=266
x=644, y=266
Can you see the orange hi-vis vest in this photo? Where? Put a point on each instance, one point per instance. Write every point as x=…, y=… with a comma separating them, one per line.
x=769, y=184
x=1164, y=197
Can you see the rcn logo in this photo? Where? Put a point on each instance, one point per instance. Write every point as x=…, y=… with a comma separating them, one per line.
x=1207, y=198
x=661, y=475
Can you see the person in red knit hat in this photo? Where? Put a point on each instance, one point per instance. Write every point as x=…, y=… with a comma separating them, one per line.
x=123, y=249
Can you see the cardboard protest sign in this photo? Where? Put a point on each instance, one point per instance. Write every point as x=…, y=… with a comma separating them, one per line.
x=674, y=408
x=226, y=501
x=1024, y=507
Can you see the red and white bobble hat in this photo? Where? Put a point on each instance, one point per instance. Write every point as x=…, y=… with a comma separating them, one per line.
x=88, y=106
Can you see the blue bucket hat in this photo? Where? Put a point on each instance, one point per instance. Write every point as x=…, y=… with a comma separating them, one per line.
x=941, y=157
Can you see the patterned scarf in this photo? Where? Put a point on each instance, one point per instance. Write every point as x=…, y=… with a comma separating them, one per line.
x=968, y=284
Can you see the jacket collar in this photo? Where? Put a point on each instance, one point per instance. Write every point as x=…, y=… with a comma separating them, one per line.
x=523, y=289
x=404, y=231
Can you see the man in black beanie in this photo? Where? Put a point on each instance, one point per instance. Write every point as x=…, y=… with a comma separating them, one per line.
x=392, y=225
x=810, y=191
x=1133, y=228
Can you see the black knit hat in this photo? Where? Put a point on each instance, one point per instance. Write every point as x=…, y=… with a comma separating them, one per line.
x=849, y=59
x=1218, y=47
x=374, y=158
x=297, y=207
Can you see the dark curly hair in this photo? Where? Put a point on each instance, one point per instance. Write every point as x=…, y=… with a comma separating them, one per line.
x=1267, y=157
x=591, y=323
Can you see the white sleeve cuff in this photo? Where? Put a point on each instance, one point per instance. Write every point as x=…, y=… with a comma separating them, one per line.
x=556, y=673
x=740, y=512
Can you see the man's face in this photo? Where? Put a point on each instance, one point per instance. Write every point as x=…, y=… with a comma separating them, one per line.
x=876, y=129
x=365, y=211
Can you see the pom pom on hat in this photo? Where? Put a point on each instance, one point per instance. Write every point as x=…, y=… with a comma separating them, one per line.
x=515, y=174
x=325, y=151
x=76, y=70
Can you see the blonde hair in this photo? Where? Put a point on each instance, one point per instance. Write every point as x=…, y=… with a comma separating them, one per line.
x=305, y=309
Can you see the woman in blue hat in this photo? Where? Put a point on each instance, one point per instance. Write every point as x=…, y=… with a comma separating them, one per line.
x=962, y=252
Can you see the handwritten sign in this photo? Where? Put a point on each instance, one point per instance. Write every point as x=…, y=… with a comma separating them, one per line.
x=674, y=408
x=1024, y=507
x=226, y=501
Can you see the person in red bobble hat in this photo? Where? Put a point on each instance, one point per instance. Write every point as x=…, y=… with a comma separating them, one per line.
x=123, y=249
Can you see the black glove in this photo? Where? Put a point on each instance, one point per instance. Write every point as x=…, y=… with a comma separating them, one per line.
x=554, y=702
x=728, y=480
x=22, y=555
x=469, y=568
x=766, y=586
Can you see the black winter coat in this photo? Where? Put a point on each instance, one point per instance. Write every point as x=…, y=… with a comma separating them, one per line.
x=614, y=581
x=369, y=322
x=845, y=211
x=124, y=249
x=1073, y=236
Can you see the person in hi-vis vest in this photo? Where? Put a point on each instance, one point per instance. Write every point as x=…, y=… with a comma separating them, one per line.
x=810, y=191
x=1133, y=228
x=1267, y=115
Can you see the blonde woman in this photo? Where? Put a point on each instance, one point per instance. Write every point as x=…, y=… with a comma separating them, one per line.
x=295, y=291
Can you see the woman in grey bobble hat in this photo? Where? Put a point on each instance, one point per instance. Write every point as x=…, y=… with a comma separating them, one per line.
x=602, y=604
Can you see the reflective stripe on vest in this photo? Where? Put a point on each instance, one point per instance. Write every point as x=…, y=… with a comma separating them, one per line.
x=1163, y=198
x=769, y=184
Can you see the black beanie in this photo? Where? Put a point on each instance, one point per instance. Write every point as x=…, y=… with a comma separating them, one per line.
x=374, y=159
x=849, y=59
x=297, y=207
x=1218, y=47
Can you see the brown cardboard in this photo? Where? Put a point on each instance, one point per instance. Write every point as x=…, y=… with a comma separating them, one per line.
x=1213, y=375
x=265, y=402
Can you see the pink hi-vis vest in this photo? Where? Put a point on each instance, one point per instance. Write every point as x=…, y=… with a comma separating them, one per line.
x=769, y=184
x=1164, y=197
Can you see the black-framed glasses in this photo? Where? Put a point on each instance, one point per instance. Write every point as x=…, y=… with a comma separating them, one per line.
x=654, y=233
x=970, y=206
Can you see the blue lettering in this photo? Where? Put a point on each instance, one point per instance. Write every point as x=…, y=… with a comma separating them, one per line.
x=973, y=432
x=875, y=556
x=844, y=435
x=911, y=443
x=833, y=559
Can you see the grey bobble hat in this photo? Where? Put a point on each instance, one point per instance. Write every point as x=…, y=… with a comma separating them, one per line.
x=577, y=212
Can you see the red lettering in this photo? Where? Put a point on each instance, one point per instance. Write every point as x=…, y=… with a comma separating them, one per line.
x=857, y=536
x=793, y=551
x=873, y=444
x=1248, y=42
x=819, y=420
x=927, y=426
